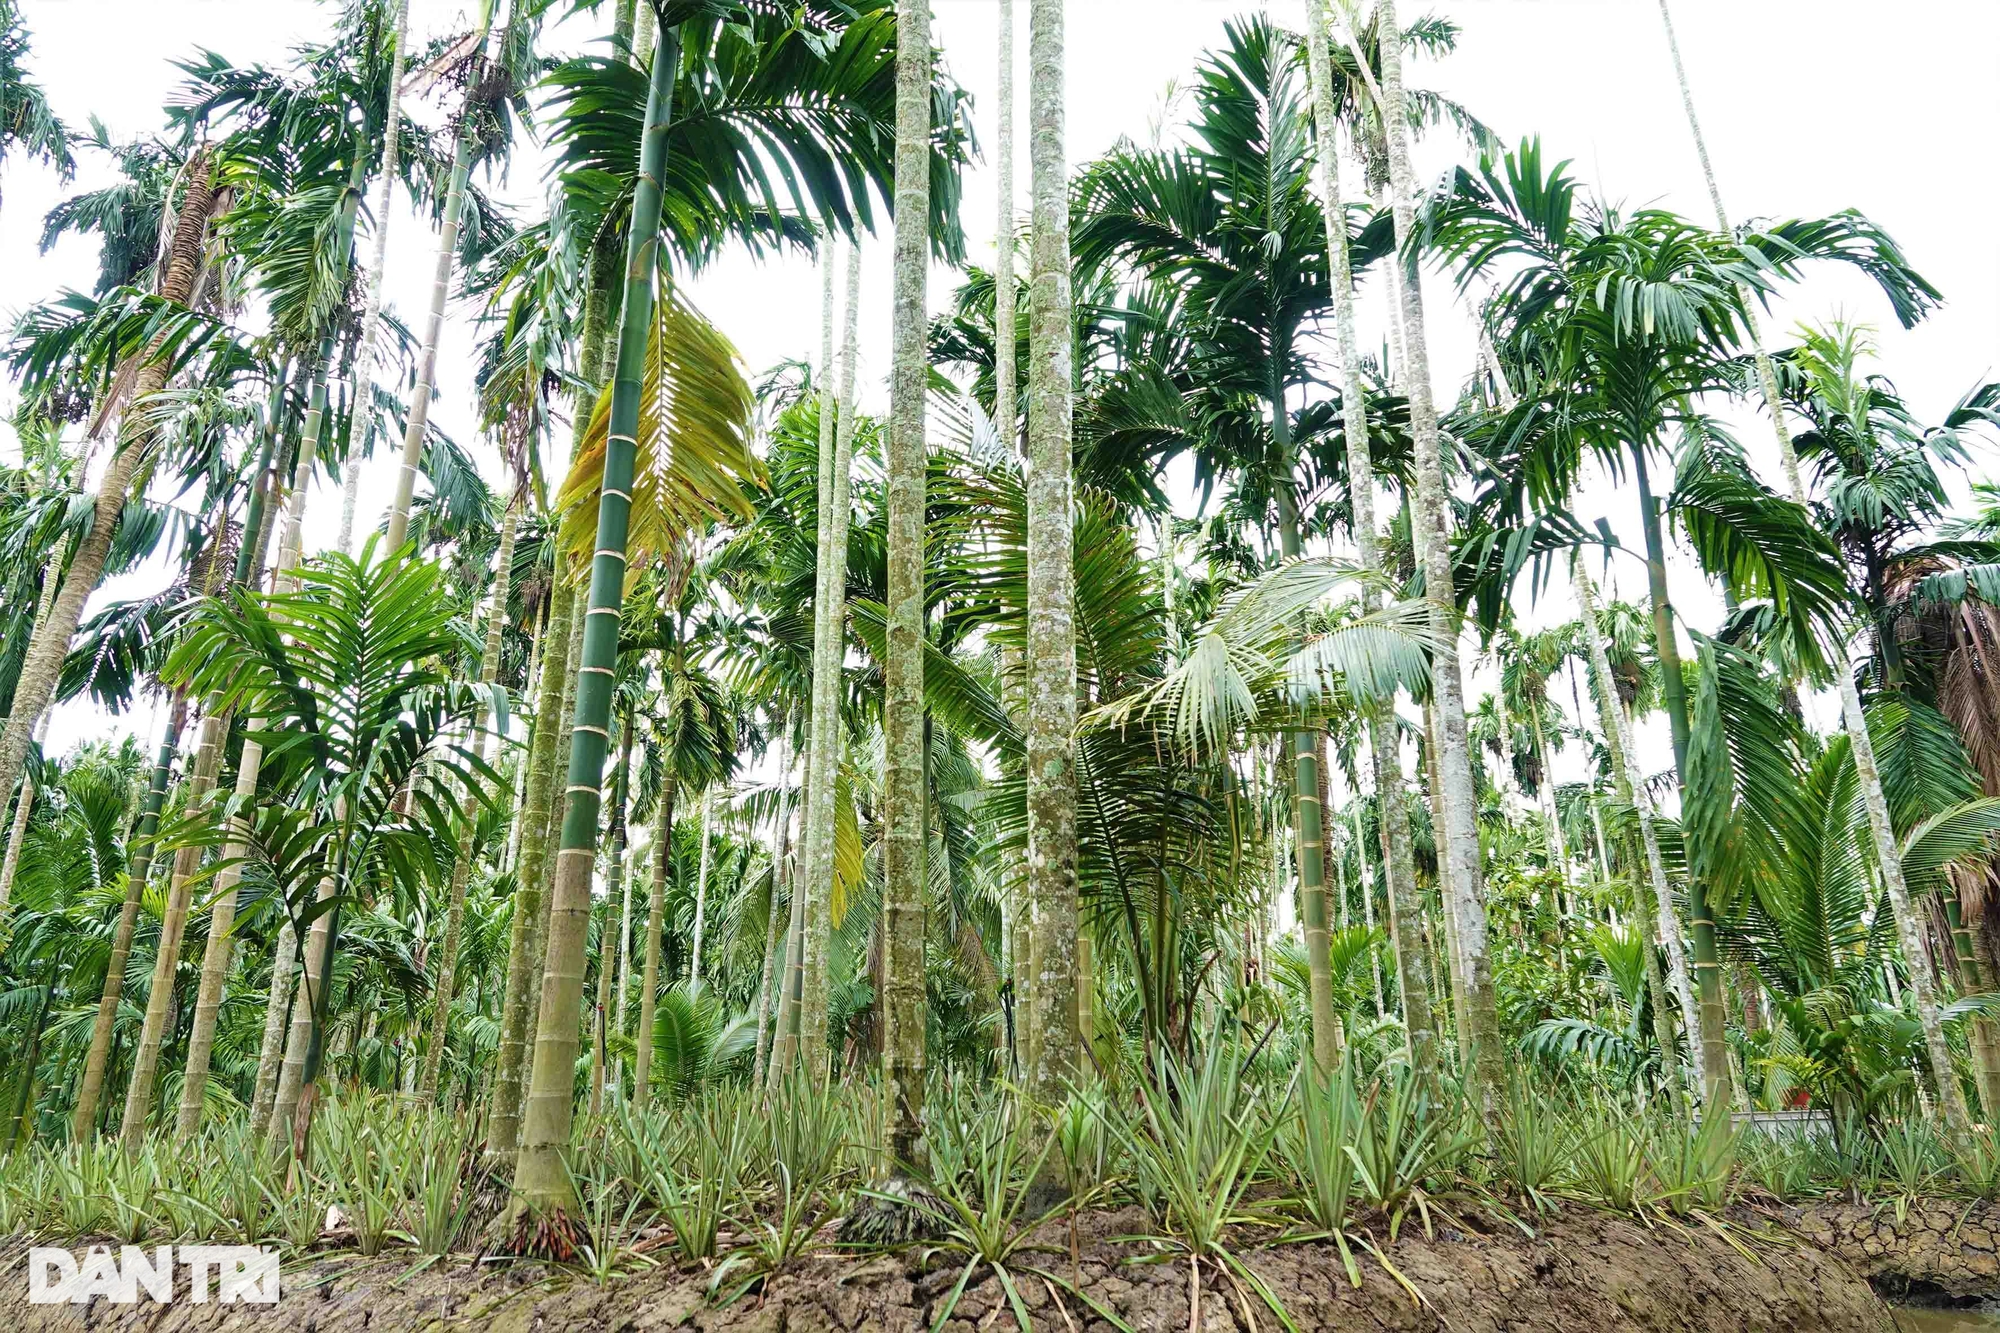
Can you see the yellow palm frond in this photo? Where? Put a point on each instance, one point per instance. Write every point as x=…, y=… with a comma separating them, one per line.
x=694, y=462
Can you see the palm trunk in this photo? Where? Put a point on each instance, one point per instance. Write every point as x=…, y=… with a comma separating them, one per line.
x=701, y=890
x=278, y=1063
x=220, y=950
x=83, y=1122
x=792, y=968
x=1386, y=759
x=504, y=1119
x=1618, y=740
x=420, y=397
x=1712, y=1014
x=1433, y=505
x=615, y=884
x=1984, y=1037
x=1889, y=861
x=180, y=892
x=541, y=1179
x=454, y=921
x=903, y=874
x=1006, y=318
x=219, y=953
x=773, y=932
x=49, y=644
x=371, y=305
x=307, y=1004
x=1452, y=956
x=656, y=918
x=829, y=655
x=1767, y=374
x=1558, y=847
x=284, y=962
x=24, y=807
x=1051, y=642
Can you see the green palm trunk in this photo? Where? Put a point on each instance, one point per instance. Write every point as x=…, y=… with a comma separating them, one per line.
x=1707, y=968
x=166, y=958
x=84, y=1122
x=541, y=1180
x=614, y=883
x=516, y=1011
x=461, y=871
x=656, y=916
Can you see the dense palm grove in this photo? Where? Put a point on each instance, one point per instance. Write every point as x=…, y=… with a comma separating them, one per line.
x=737, y=796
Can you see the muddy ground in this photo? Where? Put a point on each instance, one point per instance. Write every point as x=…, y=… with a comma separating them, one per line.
x=1581, y=1272
x=1945, y=1247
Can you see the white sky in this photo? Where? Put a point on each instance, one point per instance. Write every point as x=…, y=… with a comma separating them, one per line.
x=1809, y=106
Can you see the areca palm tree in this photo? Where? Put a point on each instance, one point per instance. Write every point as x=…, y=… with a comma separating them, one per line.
x=360, y=727
x=146, y=372
x=1877, y=489
x=1230, y=223
x=1618, y=323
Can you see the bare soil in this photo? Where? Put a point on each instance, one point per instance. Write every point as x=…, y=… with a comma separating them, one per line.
x=1581, y=1272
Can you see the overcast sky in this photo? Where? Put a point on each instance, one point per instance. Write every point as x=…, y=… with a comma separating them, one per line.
x=1809, y=106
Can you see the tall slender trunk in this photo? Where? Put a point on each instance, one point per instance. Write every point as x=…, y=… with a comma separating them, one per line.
x=1006, y=318
x=308, y=1004
x=656, y=918
x=220, y=950
x=83, y=1123
x=180, y=891
x=218, y=955
x=1617, y=730
x=1767, y=373
x=1972, y=980
x=278, y=1064
x=829, y=656
x=461, y=871
x=1712, y=1015
x=1385, y=753
x=1453, y=956
x=792, y=965
x=1558, y=847
x=615, y=884
x=701, y=882
x=371, y=303
x=1909, y=931
x=541, y=1179
x=773, y=931
x=1051, y=642
x=1433, y=514
x=49, y=643
x=903, y=875
x=24, y=806
x=504, y=1118
x=420, y=397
